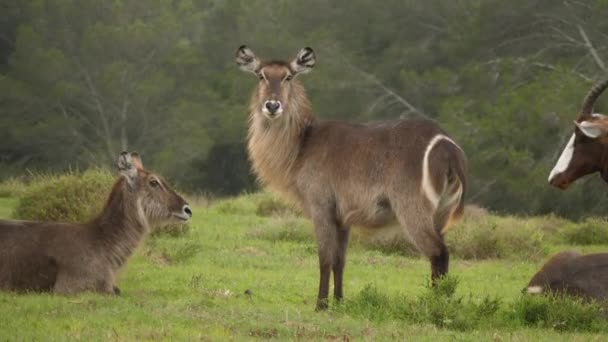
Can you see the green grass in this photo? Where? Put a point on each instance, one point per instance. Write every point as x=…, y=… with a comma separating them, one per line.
x=192, y=286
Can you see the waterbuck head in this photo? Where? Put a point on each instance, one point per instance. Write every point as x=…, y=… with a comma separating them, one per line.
x=156, y=201
x=587, y=149
x=276, y=87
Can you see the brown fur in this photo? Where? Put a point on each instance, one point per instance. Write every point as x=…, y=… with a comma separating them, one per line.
x=573, y=274
x=343, y=174
x=69, y=258
x=590, y=154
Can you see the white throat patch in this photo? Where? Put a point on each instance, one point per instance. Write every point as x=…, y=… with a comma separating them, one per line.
x=564, y=159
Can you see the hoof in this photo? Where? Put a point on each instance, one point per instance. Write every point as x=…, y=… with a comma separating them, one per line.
x=322, y=305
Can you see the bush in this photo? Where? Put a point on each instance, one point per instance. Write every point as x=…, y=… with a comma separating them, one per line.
x=271, y=206
x=285, y=229
x=73, y=197
x=171, y=229
x=489, y=237
x=389, y=240
x=560, y=313
x=592, y=231
x=12, y=187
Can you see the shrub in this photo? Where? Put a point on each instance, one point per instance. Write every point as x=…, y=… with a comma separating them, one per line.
x=171, y=229
x=12, y=187
x=560, y=313
x=491, y=236
x=172, y=251
x=271, y=206
x=285, y=229
x=73, y=197
x=592, y=231
x=390, y=240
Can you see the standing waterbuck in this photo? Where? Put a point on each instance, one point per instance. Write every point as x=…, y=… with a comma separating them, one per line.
x=68, y=258
x=344, y=174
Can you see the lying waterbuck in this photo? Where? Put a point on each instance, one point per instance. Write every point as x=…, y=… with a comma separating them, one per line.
x=587, y=149
x=68, y=258
x=343, y=174
x=572, y=273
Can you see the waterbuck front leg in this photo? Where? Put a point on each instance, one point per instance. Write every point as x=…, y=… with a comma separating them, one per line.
x=326, y=232
x=340, y=260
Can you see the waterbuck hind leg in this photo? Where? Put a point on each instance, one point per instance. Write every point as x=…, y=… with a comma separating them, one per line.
x=326, y=232
x=340, y=261
x=421, y=230
x=440, y=264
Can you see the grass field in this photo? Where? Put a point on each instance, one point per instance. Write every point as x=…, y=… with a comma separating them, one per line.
x=193, y=287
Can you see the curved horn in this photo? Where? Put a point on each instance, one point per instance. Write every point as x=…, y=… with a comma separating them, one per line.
x=591, y=97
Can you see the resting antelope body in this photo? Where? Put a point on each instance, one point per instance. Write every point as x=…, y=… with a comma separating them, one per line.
x=344, y=174
x=69, y=258
x=587, y=149
x=572, y=273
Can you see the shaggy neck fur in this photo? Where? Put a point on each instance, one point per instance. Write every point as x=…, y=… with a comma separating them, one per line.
x=274, y=144
x=121, y=225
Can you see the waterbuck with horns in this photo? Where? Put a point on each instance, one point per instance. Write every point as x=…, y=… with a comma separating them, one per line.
x=343, y=174
x=587, y=150
x=68, y=258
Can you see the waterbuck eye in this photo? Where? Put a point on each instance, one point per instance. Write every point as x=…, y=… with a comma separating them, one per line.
x=288, y=77
x=260, y=76
x=154, y=183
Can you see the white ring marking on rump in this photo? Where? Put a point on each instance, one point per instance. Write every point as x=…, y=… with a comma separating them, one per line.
x=426, y=186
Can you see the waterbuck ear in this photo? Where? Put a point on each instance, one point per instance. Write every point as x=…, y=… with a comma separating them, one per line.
x=592, y=129
x=304, y=62
x=246, y=60
x=136, y=161
x=127, y=168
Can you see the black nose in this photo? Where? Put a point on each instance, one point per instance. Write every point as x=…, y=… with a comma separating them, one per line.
x=272, y=106
x=188, y=211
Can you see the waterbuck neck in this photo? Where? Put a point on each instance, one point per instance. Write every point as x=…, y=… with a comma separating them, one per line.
x=120, y=226
x=274, y=145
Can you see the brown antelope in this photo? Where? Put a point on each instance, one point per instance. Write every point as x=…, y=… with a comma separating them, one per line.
x=572, y=273
x=587, y=149
x=68, y=258
x=344, y=174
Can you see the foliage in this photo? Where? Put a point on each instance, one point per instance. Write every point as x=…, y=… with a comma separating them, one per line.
x=82, y=80
x=560, y=313
x=12, y=187
x=217, y=282
x=592, y=231
x=71, y=197
x=442, y=308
